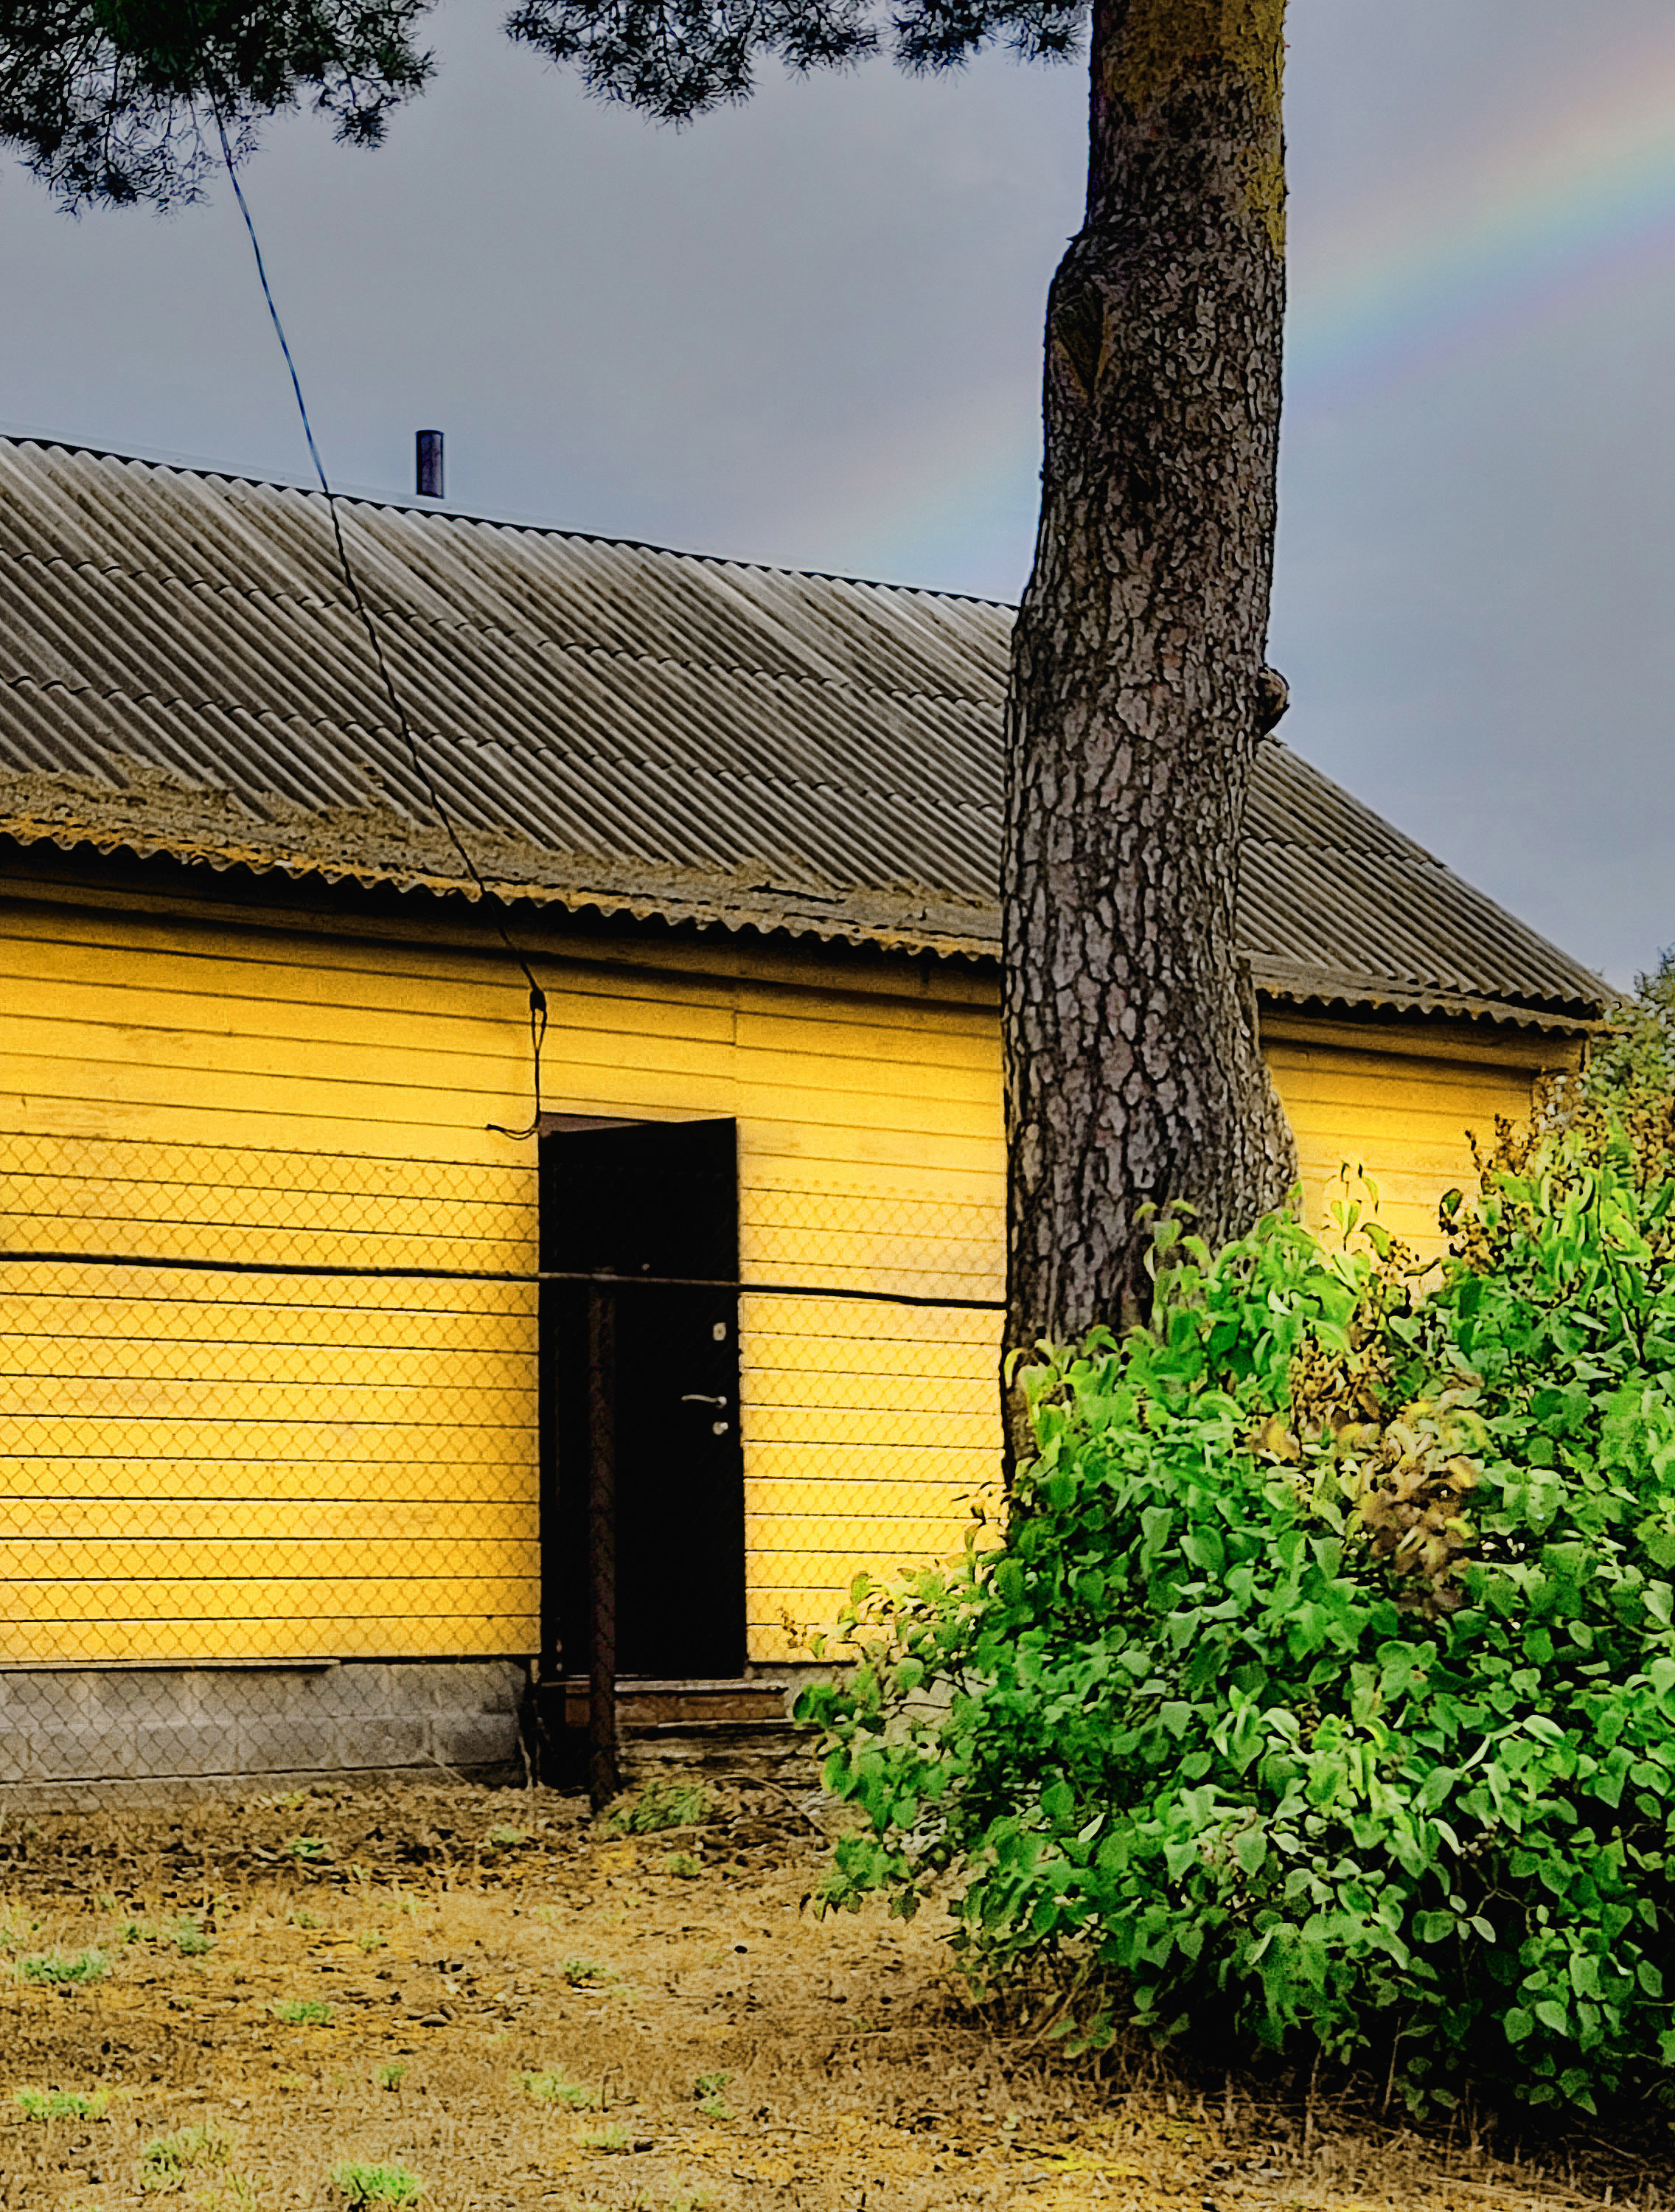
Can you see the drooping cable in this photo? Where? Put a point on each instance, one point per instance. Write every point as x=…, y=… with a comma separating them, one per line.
x=537, y=997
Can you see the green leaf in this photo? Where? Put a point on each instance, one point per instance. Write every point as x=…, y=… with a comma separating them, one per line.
x=1250, y=1849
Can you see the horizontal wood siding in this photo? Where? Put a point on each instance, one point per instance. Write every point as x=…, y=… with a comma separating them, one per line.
x=196, y=1467
x=204, y=1468
x=1396, y=1117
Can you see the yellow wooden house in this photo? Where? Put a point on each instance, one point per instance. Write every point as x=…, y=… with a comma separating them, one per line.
x=287, y=1443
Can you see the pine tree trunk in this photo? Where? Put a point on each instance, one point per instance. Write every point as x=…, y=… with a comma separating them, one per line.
x=1139, y=691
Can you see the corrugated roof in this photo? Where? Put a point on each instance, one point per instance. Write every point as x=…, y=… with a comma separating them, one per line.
x=610, y=725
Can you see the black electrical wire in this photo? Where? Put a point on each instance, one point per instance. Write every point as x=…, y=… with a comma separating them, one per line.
x=537, y=997
x=172, y=1264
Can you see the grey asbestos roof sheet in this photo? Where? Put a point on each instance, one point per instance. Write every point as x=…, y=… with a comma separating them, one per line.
x=611, y=727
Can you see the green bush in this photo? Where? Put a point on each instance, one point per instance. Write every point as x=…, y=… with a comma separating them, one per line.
x=63, y=2103
x=57, y=1967
x=1319, y=1692
x=663, y=1805
x=369, y=2184
x=168, y=2162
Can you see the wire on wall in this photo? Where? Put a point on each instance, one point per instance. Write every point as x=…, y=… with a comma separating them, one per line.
x=537, y=997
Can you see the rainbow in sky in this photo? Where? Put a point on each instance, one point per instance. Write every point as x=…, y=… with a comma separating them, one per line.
x=1542, y=223
x=1476, y=248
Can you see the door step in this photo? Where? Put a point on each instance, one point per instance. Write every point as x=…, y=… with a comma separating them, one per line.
x=641, y=1703
x=741, y=1728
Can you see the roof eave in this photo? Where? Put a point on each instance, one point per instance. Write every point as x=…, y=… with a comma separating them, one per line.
x=904, y=919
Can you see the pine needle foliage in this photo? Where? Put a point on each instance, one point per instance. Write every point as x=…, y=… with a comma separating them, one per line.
x=1320, y=1693
x=111, y=102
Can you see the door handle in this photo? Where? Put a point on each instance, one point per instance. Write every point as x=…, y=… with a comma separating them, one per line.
x=697, y=1398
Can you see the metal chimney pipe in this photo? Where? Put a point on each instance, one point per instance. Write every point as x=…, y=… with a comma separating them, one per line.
x=428, y=461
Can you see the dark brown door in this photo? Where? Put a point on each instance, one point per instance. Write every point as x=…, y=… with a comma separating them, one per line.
x=647, y=1199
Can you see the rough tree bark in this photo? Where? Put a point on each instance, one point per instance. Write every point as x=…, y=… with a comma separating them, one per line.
x=1139, y=691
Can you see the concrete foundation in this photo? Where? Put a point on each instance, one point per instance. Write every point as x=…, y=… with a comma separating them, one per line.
x=71, y=1735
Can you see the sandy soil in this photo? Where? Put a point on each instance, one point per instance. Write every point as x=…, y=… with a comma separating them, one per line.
x=696, y=2038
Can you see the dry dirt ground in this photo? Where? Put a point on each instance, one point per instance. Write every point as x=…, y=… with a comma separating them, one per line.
x=487, y=1992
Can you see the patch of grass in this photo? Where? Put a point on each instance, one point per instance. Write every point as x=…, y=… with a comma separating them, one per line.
x=302, y=2011
x=391, y=2076
x=552, y=2088
x=303, y=1920
x=683, y=1864
x=63, y=2104
x=711, y=2091
x=373, y=2185
x=370, y=1940
x=309, y=1848
x=608, y=2138
x=183, y=1931
x=60, y=1967
x=586, y=1973
x=662, y=1805
x=167, y=2161
x=507, y=1840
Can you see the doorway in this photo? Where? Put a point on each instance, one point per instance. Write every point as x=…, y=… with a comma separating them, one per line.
x=657, y=1200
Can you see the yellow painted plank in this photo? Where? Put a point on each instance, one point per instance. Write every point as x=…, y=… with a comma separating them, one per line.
x=1339, y=1073
x=1389, y=1116
x=778, y=1505
x=944, y=1411
x=964, y=1045
x=772, y=1183
x=775, y=1363
x=221, y=1334
x=236, y=1599
x=457, y=1519
x=904, y=1428
x=434, y=1309
x=253, y=963
x=789, y=1097
x=369, y=1444
x=1392, y=1129
x=870, y=1469
x=442, y=1218
x=110, y=1483
x=162, y=1398
x=111, y=1562
x=139, y=1101
x=154, y=1009
x=619, y=1066
x=200, y=1362
x=201, y=1171
x=827, y=1573
x=881, y=1548
x=283, y=1120
x=330, y=1635
x=1442, y=1039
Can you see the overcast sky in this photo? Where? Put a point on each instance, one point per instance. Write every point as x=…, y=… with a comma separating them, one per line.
x=809, y=331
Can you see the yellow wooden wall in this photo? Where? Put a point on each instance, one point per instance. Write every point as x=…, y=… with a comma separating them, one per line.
x=195, y=1467
x=1396, y=1100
